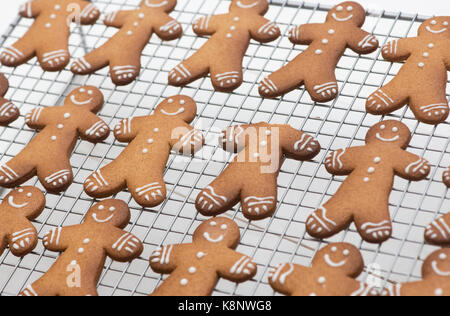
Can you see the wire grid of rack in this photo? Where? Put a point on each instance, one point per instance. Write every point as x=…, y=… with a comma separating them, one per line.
x=302, y=186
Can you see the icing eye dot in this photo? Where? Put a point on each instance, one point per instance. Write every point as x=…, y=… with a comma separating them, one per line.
x=224, y=227
x=112, y=209
x=82, y=90
x=20, y=190
x=340, y=8
x=213, y=224
x=382, y=127
x=395, y=129
x=433, y=22
x=29, y=195
x=101, y=207
x=346, y=252
x=445, y=23
x=349, y=8
x=90, y=92
x=182, y=102
x=170, y=101
x=334, y=249
x=442, y=256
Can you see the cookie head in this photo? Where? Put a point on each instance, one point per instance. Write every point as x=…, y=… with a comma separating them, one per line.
x=218, y=231
x=166, y=5
x=341, y=256
x=110, y=212
x=389, y=132
x=258, y=6
x=26, y=200
x=437, y=264
x=180, y=106
x=437, y=27
x=87, y=97
x=348, y=12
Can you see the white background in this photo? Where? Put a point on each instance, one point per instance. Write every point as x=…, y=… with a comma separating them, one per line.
x=424, y=7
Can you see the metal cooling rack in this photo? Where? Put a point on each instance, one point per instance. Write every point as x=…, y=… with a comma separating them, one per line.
x=302, y=186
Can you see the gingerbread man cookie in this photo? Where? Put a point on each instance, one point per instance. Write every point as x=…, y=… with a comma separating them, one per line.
x=363, y=198
x=333, y=273
x=435, y=282
x=315, y=67
x=141, y=165
x=8, y=111
x=422, y=80
x=446, y=177
x=48, y=154
x=85, y=248
x=195, y=268
x=438, y=232
x=18, y=208
x=251, y=178
x=123, y=51
x=48, y=37
x=223, y=53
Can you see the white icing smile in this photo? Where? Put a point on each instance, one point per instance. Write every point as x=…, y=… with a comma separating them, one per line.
x=248, y=6
x=333, y=264
x=94, y=216
x=155, y=5
x=181, y=110
x=75, y=101
x=393, y=139
x=11, y=202
x=342, y=19
x=429, y=29
x=210, y=239
x=439, y=272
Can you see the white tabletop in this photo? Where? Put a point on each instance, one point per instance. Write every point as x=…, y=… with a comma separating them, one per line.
x=428, y=7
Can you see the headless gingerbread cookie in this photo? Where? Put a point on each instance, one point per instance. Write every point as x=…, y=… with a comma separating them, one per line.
x=18, y=208
x=422, y=80
x=315, y=67
x=446, y=177
x=252, y=176
x=123, y=51
x=195, y=268
x=140, y=167
x=223, y=53
x=333, y=272
x=436, y=278
x=85, y=248
x=363, y=198
x=8, y=111
x=48, y=154
x=48, y=37
x=438, y=232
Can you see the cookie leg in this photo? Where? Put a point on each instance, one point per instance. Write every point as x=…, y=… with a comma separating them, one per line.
x=53, y=57
x=95, y=60
x=329, y=220
x=438, y=232
x=57, y=177
x=105, y=182
x=16, y=171
x=125, y=70
x=220, y=196
x=8, y=112
x=323, y=87
x=195, y=67
x=147, y=191
x=39, y=288
x=389, y=98
x=374, y=225
x=446, y=177
x=19, y=53
x=259, y=198
x=285, y=80
x=226, y=73
x=431, y=108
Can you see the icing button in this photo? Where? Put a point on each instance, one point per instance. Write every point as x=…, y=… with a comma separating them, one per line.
x=48, y=25
x=371, y=170
x=366, y=180
x=192, y=270
x=141, y=15
x=322, y=280
x=184, y=282
x=421, y=65
x=324, y=41
x=156, y=130
x=81, y=250
x=331, y=31
x=53, y=138
x=438, y=292
x=431, y=45
x=319, y=52
x=66, y=115
x=236, y=19
x=200, y=255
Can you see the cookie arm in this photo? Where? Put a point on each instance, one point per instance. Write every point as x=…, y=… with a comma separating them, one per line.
x=165, y=259
x=89, y=13
x=298, y=145
x=343, y=161
x=208, y=25
x=168, y=28
x=264, y=30
x=304, y=34
x=128, y=129
x=117, y=18
x=30, y=9
x=411, y=167
x=38, y=118
x=186, y=140
x=23, y=238
x=123, y=246
x=233, y=139
x=399, y=50
x=236, y=267
x=58, y=239
x=93, y=129
x=362, y=42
